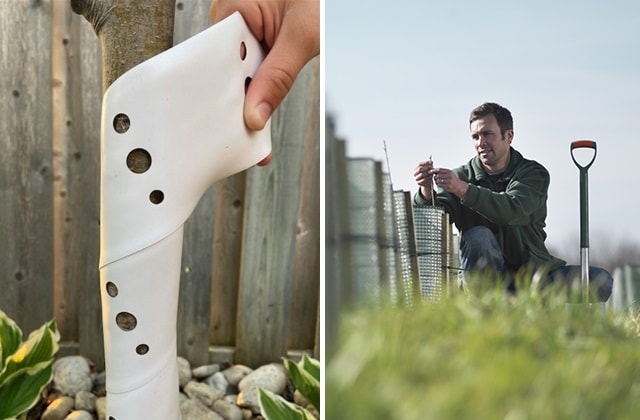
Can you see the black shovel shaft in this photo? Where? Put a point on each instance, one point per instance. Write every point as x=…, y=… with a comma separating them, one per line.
x=584, y=213
x=584, y=188
x=584, y=209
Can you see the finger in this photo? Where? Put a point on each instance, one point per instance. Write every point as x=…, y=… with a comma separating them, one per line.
x=293, y=44
x=250, y=11
x=272, y=81
x=213, y=10
x=220, y=9
x=266, y=160
x=422, y=179
x=253, y=15
x=422, y=167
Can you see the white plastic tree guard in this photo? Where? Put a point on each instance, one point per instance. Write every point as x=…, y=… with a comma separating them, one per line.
x=171, y=127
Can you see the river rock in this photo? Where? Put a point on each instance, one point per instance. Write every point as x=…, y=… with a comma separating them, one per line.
x=227, y=410
x=58, y=409
x=231, y=398
x=218, y=381
x=272, y=377
x=184, y=371
x=100, y=384
x=235, y=373
x=302, y=401
x=249, y=399
x=205, y=371
x=85, y=400
x=79, y=415
x=72, y=374
x=203, y=393
x=195, y=410
x=101, y=408
x=246, y=414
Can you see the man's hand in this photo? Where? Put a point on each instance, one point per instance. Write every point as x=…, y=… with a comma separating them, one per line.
x=449, y=181
x=424, y=179
x=290, y=32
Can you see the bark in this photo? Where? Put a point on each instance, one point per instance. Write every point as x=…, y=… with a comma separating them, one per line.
x=130, y=31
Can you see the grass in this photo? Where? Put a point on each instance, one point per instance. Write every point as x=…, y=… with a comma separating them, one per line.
x=489, y=357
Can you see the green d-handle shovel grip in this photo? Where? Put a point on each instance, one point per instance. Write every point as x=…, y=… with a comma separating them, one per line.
x=584, y=212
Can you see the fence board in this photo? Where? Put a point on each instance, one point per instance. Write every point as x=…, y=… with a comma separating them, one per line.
x=194, y=306
x=84, y=190
x=25, y=162
x=306, y=275
x=194, y=309
x=190, y=18
x=63, y=41
x=227, y=250
x=273, y=192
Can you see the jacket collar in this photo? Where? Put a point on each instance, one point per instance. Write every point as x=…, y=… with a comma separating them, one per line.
x=514, y=161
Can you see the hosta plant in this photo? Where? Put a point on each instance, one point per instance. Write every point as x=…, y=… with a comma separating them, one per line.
x=305, y=377
x=25, y=367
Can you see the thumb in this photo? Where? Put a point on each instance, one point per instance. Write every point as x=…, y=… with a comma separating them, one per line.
x=271, y=83
x=275, y=76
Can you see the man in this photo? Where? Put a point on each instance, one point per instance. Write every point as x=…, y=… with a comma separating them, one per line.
x=498, y=201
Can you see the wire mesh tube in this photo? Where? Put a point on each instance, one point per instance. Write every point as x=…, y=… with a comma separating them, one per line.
x=366, y=226
x=434, y=250
x=389, y=242
x=408, y=285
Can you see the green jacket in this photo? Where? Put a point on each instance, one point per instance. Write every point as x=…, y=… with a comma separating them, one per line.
x=513, y=205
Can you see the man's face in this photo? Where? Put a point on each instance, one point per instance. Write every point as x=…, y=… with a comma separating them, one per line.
x=491, y=146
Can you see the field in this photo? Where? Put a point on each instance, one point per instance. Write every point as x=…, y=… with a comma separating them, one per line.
x=491, y=356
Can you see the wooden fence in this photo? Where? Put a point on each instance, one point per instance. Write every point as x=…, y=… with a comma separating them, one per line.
x=249, y=289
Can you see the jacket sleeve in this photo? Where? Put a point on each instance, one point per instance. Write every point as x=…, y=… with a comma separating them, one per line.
x=420, y=200
x=524, y=195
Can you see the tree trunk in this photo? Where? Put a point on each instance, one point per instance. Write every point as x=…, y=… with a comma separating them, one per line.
x=130, y=31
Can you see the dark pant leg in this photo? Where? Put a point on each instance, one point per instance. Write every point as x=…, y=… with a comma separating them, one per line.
x=481, y=254
x=479, y=249
x=600, y=280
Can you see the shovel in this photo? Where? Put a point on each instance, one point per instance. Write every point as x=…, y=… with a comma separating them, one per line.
x=584, y=213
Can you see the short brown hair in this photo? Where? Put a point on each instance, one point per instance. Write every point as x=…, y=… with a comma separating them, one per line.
x=502, y=114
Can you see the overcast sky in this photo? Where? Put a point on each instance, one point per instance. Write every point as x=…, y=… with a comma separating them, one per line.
x=409, y=72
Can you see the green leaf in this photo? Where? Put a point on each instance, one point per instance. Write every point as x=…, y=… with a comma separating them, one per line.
x=274, y=407
x=22, y=389
x=51, y=325
x=305, y=382
x=40, y=346
x=310, y=365
x=10, y=337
